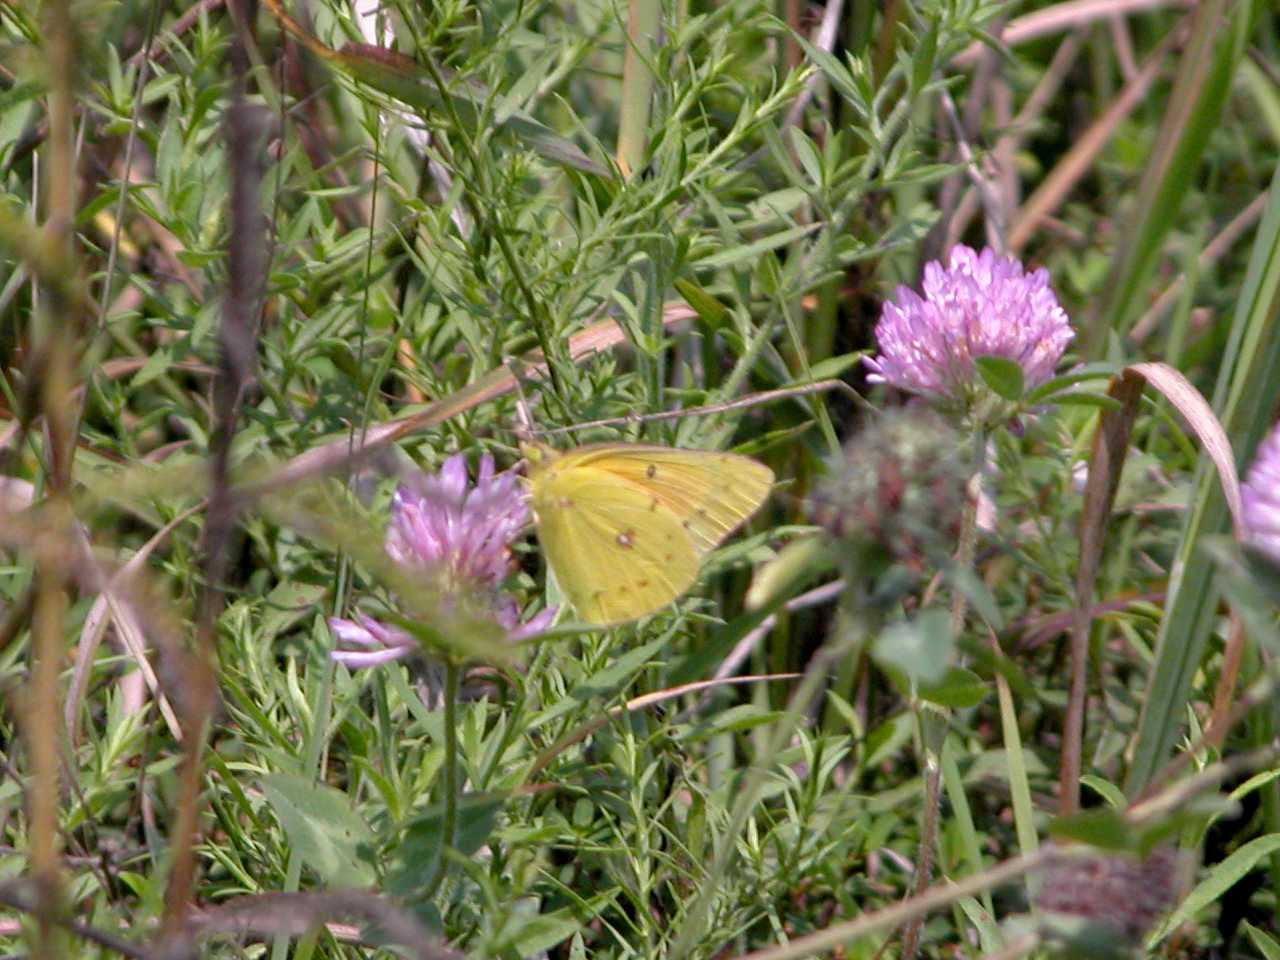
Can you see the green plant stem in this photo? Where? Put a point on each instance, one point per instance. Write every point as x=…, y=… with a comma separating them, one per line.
x=452, y=679
x=644, y=20
x=933, y=720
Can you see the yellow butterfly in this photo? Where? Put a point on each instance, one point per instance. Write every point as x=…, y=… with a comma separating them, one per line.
x=625, y=527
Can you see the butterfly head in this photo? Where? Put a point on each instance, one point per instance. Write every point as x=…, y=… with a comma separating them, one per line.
x=537, y=455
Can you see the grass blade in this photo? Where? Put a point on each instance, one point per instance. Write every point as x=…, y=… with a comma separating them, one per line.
x=1247, y=392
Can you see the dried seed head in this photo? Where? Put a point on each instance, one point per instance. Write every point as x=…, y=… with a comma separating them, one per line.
x=900, y=484
x=1116, y=898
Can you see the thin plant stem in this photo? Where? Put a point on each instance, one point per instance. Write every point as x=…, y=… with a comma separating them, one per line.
x=932, y=720
x=815, y=678
x=452, y=680
x=55, y=329
x=40, y=714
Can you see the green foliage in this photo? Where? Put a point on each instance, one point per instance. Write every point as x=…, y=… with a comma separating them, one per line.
x=606, y=212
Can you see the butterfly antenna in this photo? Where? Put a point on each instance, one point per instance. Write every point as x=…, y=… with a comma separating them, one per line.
x=754, y=400
x=524, y=429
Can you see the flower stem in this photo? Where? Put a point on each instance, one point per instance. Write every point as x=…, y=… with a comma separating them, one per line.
x=933, y=720
x=452, y=679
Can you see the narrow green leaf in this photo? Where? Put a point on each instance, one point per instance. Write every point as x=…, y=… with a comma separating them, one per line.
x=1266, y=944
x=752, y=251
x=417, y=853
x=1076, y=399
x=923, y=58
x=1203, y=80
x=644, y=22
x=1090, y=371
x=1105, y=789
x=1221, y=878
x=1247, y=392
x=710, y=310
x=526, y=935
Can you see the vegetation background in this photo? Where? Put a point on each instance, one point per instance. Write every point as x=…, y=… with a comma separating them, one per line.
x=240, y=245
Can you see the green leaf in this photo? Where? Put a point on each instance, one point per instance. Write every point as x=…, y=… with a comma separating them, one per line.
x=1266, y=944
x=1105, y=828
x=605, y=684
x=1246, y=394
x=530, y=934
x=887, y=739
x=1077, y=398
x=921, y=648
x=406, y=80
x=836, y=366
x=923, y=58
x=289, y=602
x=796, y=563
x=958, y=689
x=752, y=251
x=1105, y=789
x=418, y=852
x=1002, y=375
x=1090, y=371
x=323, y=828
x=710, y=310
x=1204, y=78
x=808, y=156
x=1221, y=878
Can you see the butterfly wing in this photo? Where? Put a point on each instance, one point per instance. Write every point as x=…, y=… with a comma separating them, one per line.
x=617, y=552
x=711, y=492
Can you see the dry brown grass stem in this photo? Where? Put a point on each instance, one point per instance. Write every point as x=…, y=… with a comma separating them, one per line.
x=246, y=272
x=340, y=455
x=1077, y=162
x=1214, y=250
x=54, y=335
x=1011, y=141
x=824, y=38
x=1215, y=733
x=1062, y=17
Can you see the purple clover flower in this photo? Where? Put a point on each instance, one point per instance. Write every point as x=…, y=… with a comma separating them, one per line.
x=462, y=537
x=1261, y=495
x=981, y=305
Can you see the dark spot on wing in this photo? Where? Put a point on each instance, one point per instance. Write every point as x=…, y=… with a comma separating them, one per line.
x=651, y=471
